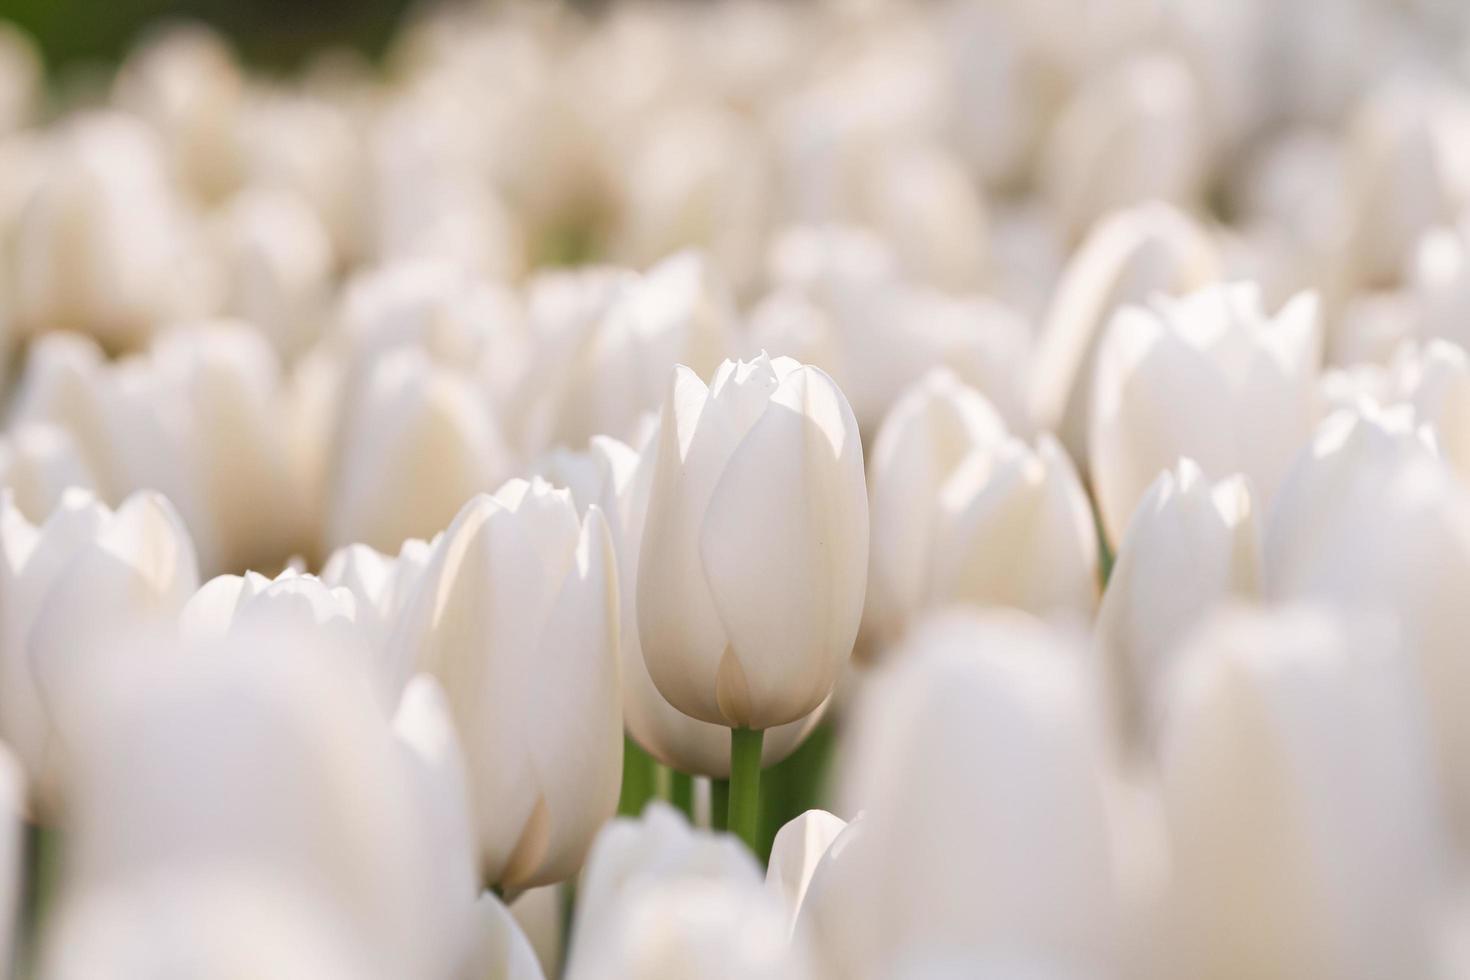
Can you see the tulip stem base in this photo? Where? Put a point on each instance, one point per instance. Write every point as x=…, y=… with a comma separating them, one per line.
x=745, y=784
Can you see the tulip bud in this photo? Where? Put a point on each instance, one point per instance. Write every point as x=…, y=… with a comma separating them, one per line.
x=1209, y=377
x=80, y=578
x=304, y=783
x=38, y=462
x=221, y=922
x=1190, y=545
x=1300, y=800
x=659, y=900
x=730, y=637
x=251, y=606
x=1132, y=135
x=798, y=846
x=955, y=501
x=981, y=708
x=65, y=384
x=617, y=479
x=1125, y=259
x=1370, y=519
x=277, y=261
x=381, y=584
x=106, y=246
x=188, y=86
x=516, y=614
x=602, y=381
x=416, y=443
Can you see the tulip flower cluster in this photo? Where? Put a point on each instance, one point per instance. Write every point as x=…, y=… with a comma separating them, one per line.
x=817, y=491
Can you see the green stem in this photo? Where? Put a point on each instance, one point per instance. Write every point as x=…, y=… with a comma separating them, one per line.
x=638, y=779
x=681, y=792
x=745, y=784
x=719, y=804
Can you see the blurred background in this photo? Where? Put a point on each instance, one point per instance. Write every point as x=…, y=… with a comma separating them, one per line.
x=271, y=33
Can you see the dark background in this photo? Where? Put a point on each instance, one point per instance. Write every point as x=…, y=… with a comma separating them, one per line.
x=270, y=33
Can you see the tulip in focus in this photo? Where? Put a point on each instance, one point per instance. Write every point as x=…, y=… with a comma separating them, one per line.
x=754, y=555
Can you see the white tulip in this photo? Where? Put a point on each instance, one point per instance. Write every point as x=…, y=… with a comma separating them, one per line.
x=1371, y=519
x=253, y=606
x=201, y=418
x=661, y=899
x=1440, y=279
x=304, y=782
x=798, y=846
x=729, y=636
x=604, y=377
x=1125, y=259
x=277, y=263
x=500, y=949
x=38, y=462
x=106, y=245
x=416, y=442
x=618, y=479
x=1210, y=377
x=304, y=144
x=71, y=584
x=64, y=384
x=1400, y=180
x=981, y=708
x=1300, y=799
x=232, y=924
x=516, y=615
x=186, y=83
x=1132, y=134
x=382, y=585
x=961, y=512
x=1190, y=545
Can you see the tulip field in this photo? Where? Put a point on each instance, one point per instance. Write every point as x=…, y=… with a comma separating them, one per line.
x=741, y=490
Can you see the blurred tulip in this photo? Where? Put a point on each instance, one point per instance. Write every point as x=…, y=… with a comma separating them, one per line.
x=304, y=784
x=1371, y=519
x=71, y=584
x=964, y=513
x=1190, y=545
x=1125, y=259
x=660, y=899
x=516, y=614
x=728, y=637
x=1210, y=377
x=500, y=950
x=1133, y=134
x=187, y=85
x=277, y=264
x=980, y=708
x=1440, y=276
x=1300, y=801
x=226, y=923
x=106, y=245
x=606, y=375
x=38, y=462
x=416, y=443
x=251, y=606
